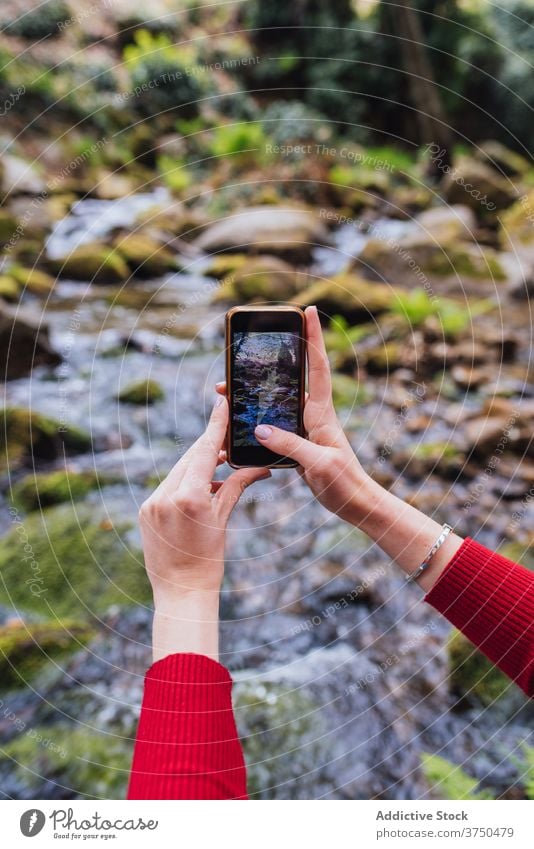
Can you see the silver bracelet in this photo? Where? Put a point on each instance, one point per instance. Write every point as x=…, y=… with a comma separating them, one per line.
x=445, y=531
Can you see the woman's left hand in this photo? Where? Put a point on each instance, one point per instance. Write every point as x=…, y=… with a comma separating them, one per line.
x=183, y=526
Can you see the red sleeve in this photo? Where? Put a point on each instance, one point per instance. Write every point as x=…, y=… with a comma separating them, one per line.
x=187, y=745
x=491, y=600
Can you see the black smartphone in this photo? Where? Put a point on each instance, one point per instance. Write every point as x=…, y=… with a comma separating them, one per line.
x=265, y=368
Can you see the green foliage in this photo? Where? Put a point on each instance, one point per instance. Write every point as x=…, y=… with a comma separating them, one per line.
x=70, y=560
x=141, y=392
x=449, y=781
x=83, y=759
x=472, y=676
x=340, y=336
x=526, y=768
x=241, y=141
x=416, y=307
x=41, y=22
x=36, y=492
x=26, y=648
x=163, y=74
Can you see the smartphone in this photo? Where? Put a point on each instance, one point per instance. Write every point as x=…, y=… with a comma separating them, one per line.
x=265, y=368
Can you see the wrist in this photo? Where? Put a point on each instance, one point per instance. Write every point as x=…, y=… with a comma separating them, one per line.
x=186, y=622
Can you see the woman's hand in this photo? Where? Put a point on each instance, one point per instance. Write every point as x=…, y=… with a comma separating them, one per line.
x=183, y=526
x=327, y=461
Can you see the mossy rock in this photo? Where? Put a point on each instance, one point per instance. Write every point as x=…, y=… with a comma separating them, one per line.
x=423, y=257
x=95, y=262
x=360, y=177
x=425, y=458
x=260, y=279
x=517, y=221
x=36, y=492
x=9, y=288
x=25, y=648
x=280, y=733
x=33, y=437
x=473, y=678
x=347, y=393
x=89, y=762
x=71, y=561
x=384, y=358
x=145, y=256
x=8, y=225
x=225, y=264
x=349, y=296
x=498, y=156
x=36, y=281
x=141, y=392
x=479, y=186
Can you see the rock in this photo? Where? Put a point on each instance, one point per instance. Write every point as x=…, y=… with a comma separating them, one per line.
x=81, y=563
x=448, y=222
x=26, y=648
x=427, y=458
x=24, y=342
x=484, y=434
x=19, y=177
x=479, y=186
x=420, y=259
x=383, y=359
x=348, y=295
x=262, y=278
x=112, y=186
x=284, y=231
x=31, y=438
x=506, y=161
x=145, y=256
x=32, y=279
x=95, y=262
x=37, y=491
x=469, y=378
x=360, y=178
x=347, y=392
x=141, y=393
x=405, y=201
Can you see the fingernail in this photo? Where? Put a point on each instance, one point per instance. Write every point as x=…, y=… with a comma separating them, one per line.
x=219, y=399
x=220, y=383
x=263, y=431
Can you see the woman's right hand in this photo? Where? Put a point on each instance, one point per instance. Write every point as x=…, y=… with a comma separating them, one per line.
x=326, y=459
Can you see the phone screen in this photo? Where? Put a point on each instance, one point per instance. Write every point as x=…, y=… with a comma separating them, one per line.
x=265, y=382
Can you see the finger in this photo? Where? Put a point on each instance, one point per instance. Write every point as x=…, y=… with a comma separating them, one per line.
x=204, y=454
x=320, y=384
x=234, y=486
x=177, y=473
x=288, y=444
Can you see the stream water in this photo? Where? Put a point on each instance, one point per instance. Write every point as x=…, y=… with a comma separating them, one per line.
x=332, y=704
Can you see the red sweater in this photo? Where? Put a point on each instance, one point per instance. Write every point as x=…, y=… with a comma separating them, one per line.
x=187, y=745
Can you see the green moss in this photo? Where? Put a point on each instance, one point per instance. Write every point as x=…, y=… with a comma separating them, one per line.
x=224, y=264
x=25, y=649
x=519, y=553
x=347, y=392
x=35, y=492
x=83, y=759
x=472, y=676
x=142, y=392
x=8, y=225
x=70, y=560
x=9, y=288
x=448, y=781
x=25, y=434
x=96, y=262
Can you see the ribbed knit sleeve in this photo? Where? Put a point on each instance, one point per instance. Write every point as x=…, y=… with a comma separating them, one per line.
x=187, y=745
x=491, y=600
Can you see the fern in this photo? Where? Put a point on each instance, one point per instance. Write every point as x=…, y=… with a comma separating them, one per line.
x=450, y=780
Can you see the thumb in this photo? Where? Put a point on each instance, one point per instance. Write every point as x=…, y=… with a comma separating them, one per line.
x=287, y=444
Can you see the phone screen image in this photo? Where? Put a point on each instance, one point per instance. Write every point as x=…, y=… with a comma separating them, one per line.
x=265, y=383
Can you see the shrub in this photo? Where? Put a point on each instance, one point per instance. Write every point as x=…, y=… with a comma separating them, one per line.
x=41, y=22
